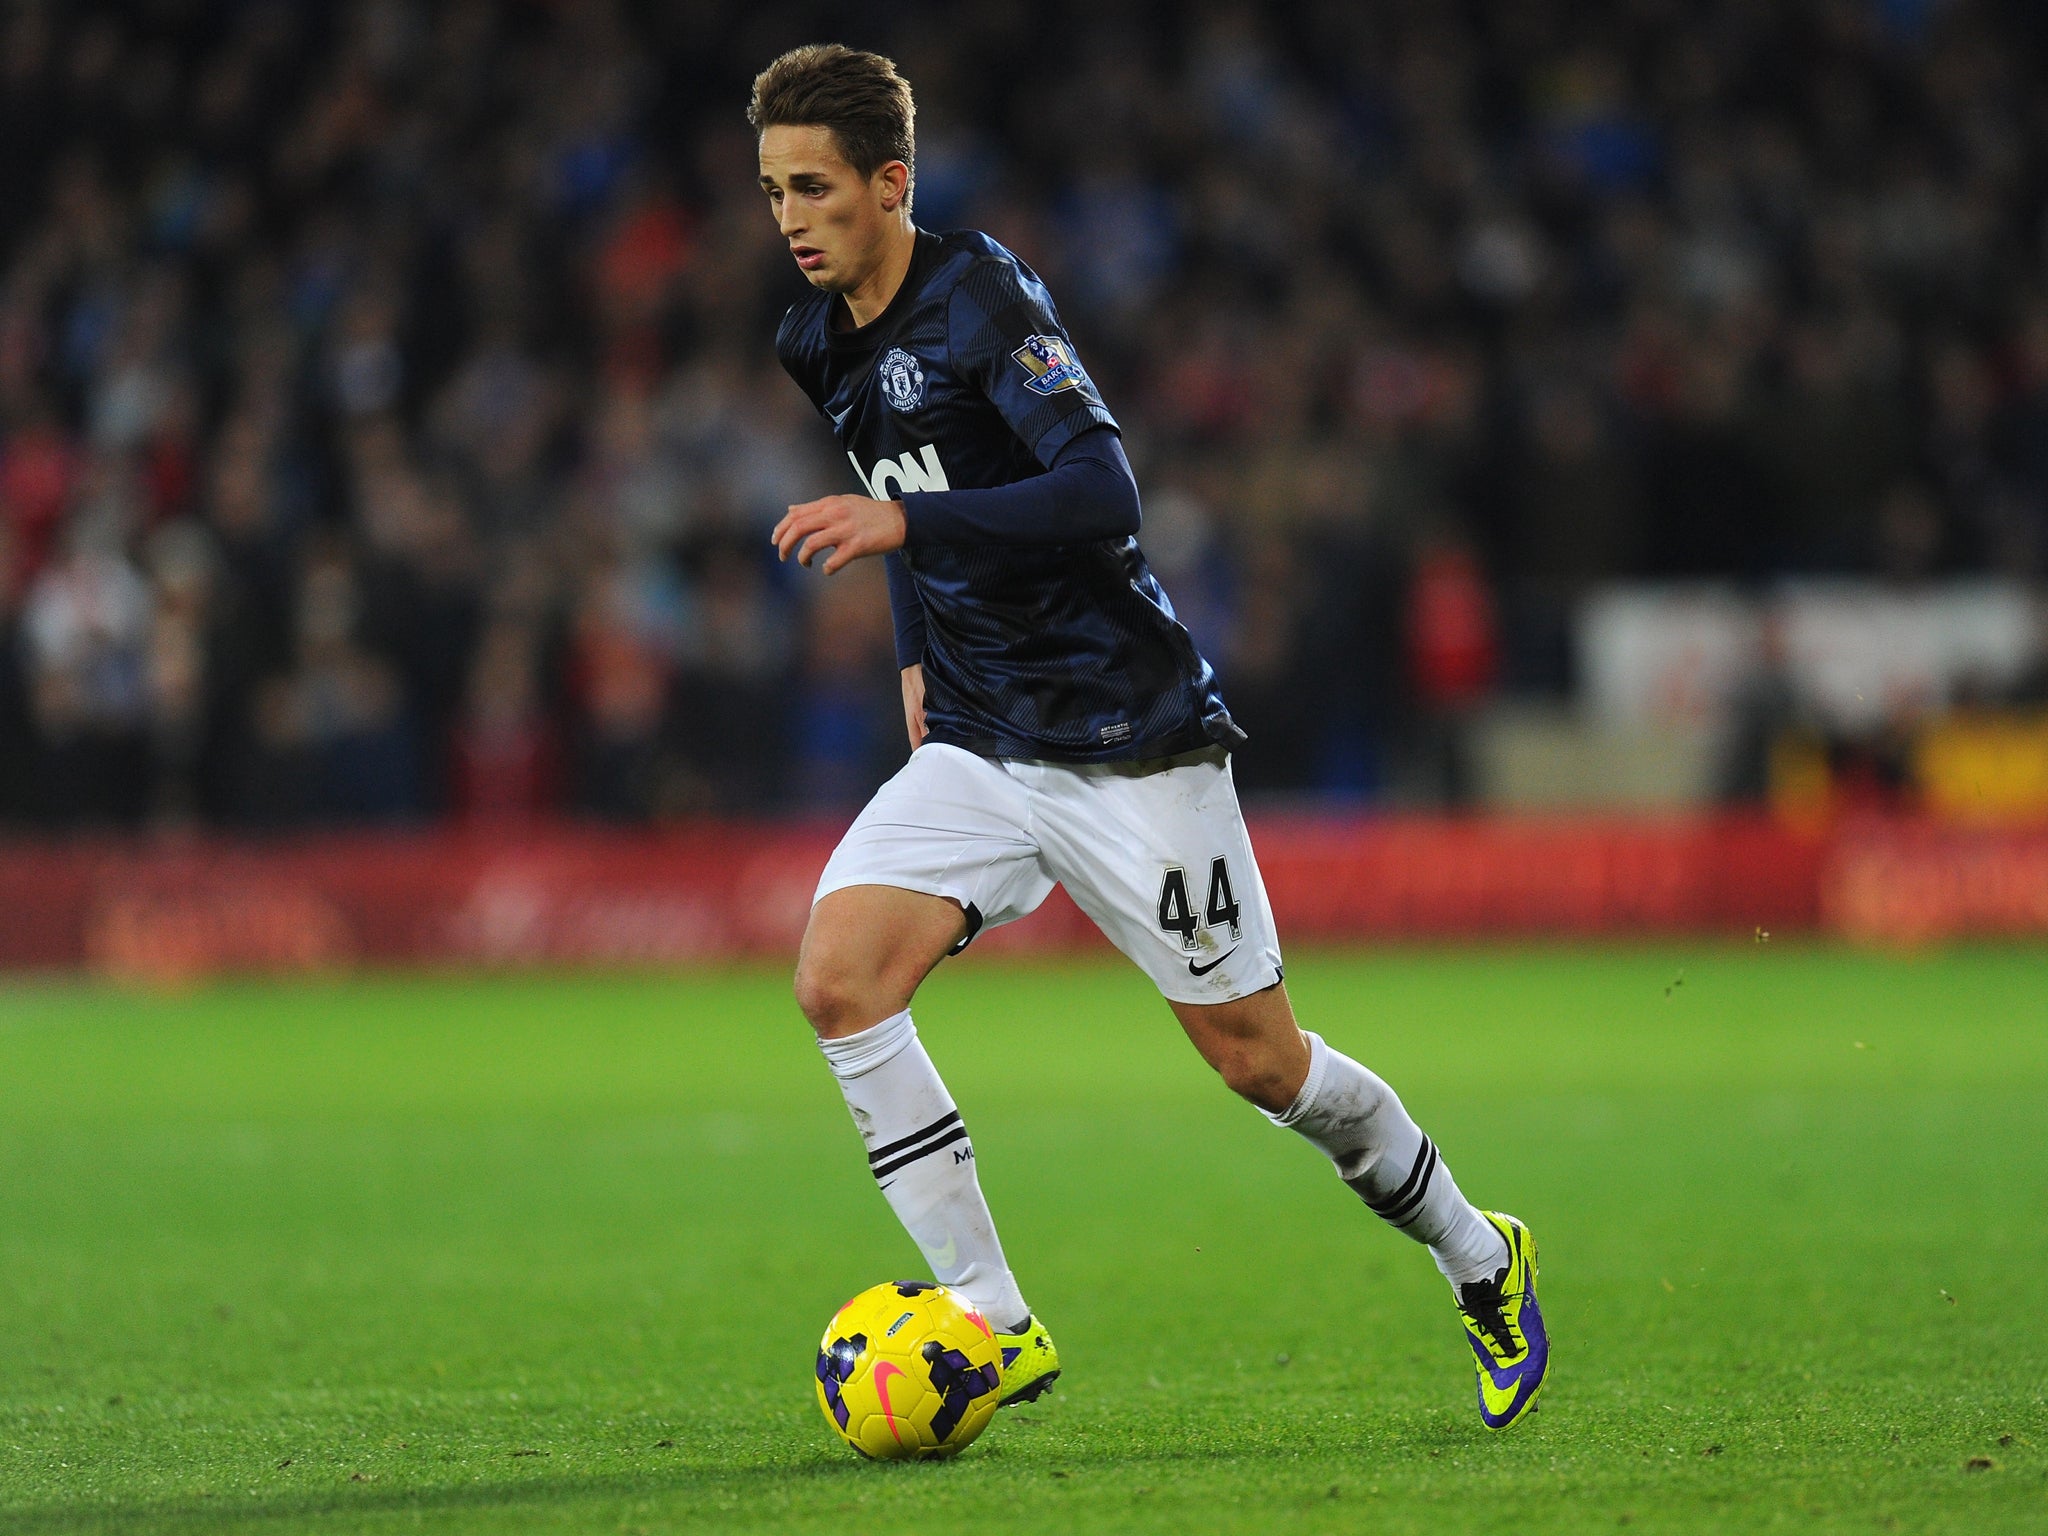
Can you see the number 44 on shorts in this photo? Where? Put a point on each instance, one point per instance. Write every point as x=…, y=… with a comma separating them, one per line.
x=1177, y=910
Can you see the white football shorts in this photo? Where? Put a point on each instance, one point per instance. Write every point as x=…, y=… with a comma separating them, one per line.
x=1156, y=853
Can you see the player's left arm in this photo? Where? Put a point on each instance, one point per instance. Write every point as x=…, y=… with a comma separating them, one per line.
x=1088, y=494
x=1006, y=337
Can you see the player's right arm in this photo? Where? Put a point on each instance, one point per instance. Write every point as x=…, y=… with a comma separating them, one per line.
x=885, y=538
x=906, y=610
x=849, y=526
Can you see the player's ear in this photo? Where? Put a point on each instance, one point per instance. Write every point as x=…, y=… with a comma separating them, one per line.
x=895, y=185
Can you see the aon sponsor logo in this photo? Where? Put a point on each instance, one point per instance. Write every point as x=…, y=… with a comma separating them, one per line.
x=920, y=471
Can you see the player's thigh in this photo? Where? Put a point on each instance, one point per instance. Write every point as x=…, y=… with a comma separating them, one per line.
x=866, y=949
x=1162, y=863
x=942, y=850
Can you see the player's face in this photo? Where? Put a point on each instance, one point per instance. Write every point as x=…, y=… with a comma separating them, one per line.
x=835, y=219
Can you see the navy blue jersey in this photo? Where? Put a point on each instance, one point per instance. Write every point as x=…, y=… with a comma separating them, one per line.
x=1068, y=652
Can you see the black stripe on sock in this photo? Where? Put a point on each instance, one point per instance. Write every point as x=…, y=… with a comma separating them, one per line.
x=958, y=1133
x=951, y=1117
x=1403, y=1223
x=1380, y=1202
x=1406, y=1211
x=1395, y=1206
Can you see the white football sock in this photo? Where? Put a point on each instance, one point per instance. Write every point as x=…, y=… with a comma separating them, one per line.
x=920, y=1155
x=1357, y=1121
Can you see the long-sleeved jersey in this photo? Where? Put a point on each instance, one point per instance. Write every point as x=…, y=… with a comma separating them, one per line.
x=1060, y=651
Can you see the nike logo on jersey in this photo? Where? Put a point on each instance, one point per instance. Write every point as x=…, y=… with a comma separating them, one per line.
x=920, y=471
x=1203, y=970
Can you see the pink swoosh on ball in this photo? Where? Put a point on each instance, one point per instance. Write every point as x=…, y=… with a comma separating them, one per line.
x=882, y=1374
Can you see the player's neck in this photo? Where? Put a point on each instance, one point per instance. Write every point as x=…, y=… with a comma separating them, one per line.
x=866, y=300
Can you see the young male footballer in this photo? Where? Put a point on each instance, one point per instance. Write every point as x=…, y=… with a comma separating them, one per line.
x=1063, y=727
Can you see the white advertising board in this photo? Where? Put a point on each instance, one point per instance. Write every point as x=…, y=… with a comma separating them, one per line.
x=1854, y=654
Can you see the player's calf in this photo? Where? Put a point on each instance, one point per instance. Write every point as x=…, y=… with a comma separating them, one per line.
x=866, y=948
x=1360, y=1124
x=923, y=1160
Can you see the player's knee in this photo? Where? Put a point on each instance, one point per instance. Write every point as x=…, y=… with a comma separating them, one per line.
x=840, y=998
x=825, y=994
x=1257, y=1075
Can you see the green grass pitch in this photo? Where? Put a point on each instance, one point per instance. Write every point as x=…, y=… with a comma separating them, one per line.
x=513, y=1254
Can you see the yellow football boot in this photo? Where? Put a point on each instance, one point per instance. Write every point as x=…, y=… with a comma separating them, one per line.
x=1030, y=1363
x=1510, y=1346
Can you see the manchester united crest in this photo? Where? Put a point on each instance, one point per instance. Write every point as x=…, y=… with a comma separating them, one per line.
x=902, y=380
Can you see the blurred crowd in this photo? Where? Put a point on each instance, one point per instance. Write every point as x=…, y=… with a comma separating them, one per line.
x=390, y=426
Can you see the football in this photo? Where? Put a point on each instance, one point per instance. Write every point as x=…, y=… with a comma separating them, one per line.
x=907, y=1371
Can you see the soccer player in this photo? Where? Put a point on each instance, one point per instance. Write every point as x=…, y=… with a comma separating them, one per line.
x=1062, y=726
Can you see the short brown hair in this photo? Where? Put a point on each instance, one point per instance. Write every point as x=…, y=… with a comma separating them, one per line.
x=859, y=96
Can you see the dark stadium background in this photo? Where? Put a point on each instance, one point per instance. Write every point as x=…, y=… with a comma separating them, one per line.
x=390, y=428
x=1602, y=444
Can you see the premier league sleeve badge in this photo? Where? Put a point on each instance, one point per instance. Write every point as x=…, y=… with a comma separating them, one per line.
x=902, y=379
x=1049, y=365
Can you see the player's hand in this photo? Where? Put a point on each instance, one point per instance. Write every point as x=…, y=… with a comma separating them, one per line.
x=850, y=526
x=913, y=704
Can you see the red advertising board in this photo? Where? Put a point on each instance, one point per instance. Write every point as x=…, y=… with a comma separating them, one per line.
x=1913, y=884
x=570, y=896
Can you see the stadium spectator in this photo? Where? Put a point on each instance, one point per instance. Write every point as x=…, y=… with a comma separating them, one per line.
x=409, y=301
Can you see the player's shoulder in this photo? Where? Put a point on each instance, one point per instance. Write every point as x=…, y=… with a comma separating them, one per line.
x=801, y=345
x=983, y=267
x=803, y=326
x=968, y=248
